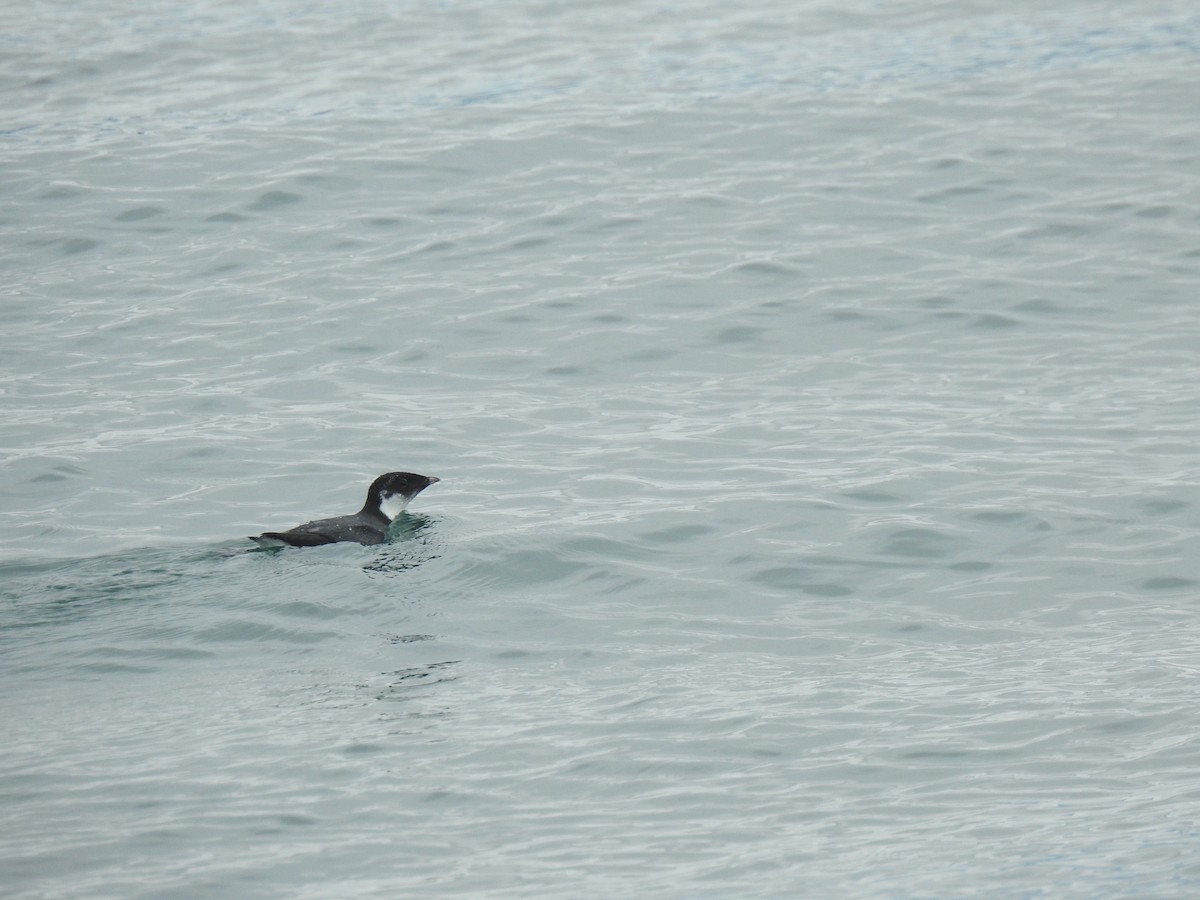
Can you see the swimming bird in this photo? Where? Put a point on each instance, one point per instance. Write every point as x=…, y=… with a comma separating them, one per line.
x=387, y=497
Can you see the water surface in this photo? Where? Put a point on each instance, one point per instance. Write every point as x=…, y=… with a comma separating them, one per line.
x=814, y=391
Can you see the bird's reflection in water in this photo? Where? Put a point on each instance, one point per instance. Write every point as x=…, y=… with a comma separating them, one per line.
x=410, y=544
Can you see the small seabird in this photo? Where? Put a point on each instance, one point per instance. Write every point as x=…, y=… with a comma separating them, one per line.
x=386, y=499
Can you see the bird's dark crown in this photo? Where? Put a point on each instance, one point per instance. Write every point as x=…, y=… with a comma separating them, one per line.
x=407, y=484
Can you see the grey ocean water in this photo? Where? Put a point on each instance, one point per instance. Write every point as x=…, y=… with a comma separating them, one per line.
x=815, y=389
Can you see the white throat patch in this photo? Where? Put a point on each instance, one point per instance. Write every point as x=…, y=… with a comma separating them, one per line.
x=391, y=505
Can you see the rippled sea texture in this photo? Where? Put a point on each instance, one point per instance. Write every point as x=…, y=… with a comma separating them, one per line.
x=814, y=389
